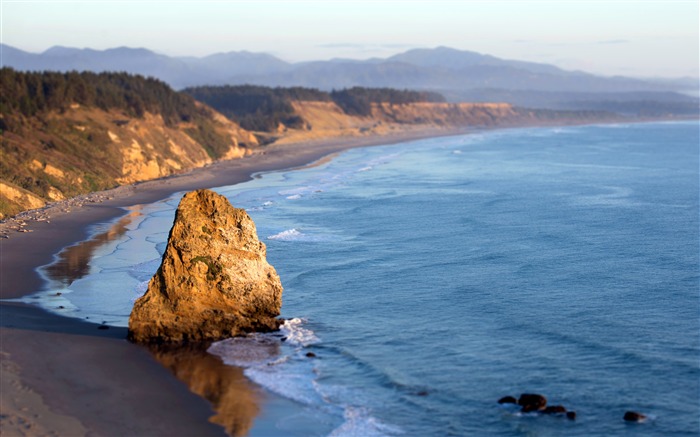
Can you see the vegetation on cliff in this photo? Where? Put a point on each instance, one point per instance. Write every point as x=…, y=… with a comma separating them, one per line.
x=359, y=100
x=260, y=108
x=65, y=134
x=34, y=93
x=257, y=108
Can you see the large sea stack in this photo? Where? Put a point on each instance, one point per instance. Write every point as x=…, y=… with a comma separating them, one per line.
x=214, y=281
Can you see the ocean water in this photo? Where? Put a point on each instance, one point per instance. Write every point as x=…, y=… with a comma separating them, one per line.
x=433, y=277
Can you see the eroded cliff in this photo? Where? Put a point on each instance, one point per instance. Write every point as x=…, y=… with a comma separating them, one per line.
x=84, y=149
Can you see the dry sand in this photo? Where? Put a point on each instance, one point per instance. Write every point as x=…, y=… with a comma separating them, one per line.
x=63, y=376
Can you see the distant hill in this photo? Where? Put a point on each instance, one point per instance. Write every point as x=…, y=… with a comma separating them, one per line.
x=260, y=108
x=457, y=74
x=177, y=72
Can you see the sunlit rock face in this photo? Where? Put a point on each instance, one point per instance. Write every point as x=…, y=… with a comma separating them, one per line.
x=214, y=281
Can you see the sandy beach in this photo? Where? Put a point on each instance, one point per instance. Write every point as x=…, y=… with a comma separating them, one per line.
x=62, y=376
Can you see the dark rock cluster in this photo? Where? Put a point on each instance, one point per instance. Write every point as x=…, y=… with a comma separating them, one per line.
x=536, y=403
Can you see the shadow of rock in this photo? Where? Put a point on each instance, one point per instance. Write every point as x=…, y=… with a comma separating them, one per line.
x=232, y=396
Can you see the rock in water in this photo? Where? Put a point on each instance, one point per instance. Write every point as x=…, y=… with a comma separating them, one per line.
x=214, y=281
x=532, y=402
x=507, y=400
x=633, y=416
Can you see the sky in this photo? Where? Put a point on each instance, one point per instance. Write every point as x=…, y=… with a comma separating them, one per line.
x=641, y=38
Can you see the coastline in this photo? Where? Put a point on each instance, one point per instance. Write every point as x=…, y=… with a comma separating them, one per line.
x=94, y=381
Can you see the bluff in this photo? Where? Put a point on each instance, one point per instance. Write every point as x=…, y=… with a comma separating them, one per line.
x=69, y=134
x=214, y=281
x=66, y=134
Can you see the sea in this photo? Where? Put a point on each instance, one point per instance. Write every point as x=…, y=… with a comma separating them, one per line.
x=423, y=281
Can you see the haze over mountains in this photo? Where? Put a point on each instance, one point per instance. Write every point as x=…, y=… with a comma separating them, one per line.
x=458, y=75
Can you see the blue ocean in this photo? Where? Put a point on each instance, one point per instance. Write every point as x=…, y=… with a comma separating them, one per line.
x=433, y=277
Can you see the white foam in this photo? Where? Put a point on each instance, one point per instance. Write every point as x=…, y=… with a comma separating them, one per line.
x=140, y=289
x=297, y=235
x=290, y=381
x=288, y=235
x=254, y=350
x=296, y=334
x=296, y=193
x=616, y=196
x=360, y=423
x=384, y=159
x=282, y=367
x=145, y=270
x=270, y=363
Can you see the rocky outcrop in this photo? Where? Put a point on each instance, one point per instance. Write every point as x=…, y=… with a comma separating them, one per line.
x=327, y=120
x=214, y=281
x=532, y=402
x=537, y=404
x=58, y=155
x=507, y=400
x=633, y=416
x=445, y=114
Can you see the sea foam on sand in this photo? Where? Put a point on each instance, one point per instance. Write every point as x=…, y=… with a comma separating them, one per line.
x=279, y=363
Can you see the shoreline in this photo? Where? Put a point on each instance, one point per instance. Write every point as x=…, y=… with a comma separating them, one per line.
x=93, y=381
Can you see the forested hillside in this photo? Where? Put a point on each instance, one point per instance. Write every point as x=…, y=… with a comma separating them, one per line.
x=65, y=134
x=260, y=108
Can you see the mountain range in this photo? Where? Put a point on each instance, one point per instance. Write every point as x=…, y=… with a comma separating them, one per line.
x=457, y=74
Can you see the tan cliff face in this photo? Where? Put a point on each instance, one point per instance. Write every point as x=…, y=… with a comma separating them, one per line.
x=214, y=281
x=327, y=119
x=87, y=149
x=444, y=114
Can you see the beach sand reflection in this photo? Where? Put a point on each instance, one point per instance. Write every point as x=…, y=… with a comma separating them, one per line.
x=74, y=262
x=234, y=398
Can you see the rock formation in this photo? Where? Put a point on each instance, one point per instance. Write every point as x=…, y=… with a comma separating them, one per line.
x=536, y=403
x=507, y=400
x=214, y=281
x=532, y=402
x=633, y=416
x=554, y=409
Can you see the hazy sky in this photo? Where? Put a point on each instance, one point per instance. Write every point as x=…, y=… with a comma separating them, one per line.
x=634, y=37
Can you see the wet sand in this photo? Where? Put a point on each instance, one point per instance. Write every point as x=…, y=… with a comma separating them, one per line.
x=63, y=376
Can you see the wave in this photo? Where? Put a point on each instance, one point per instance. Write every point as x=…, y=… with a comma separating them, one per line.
x=280, y=363
x=288, y=235
x=358, y=422
x=145, y=270
x=276, y=361
x=140, y=289
x=296, y=334
x=299, y=192
x=295, y=234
